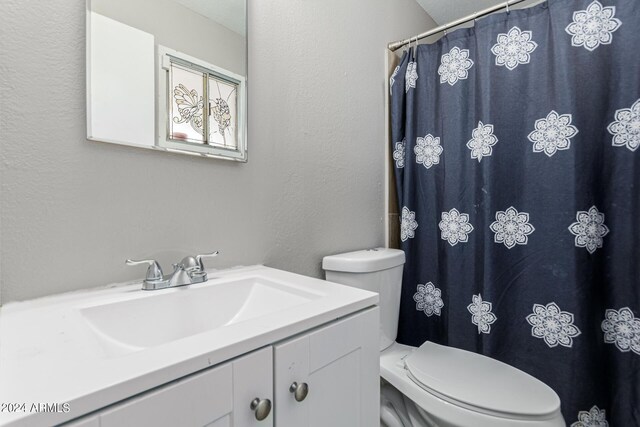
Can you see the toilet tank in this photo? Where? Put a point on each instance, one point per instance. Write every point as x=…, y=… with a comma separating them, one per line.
x=377, y=270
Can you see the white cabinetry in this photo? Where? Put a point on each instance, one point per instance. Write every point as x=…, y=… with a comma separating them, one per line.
x=339, y=363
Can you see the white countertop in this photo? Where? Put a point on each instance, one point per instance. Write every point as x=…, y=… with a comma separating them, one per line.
x=49, y=354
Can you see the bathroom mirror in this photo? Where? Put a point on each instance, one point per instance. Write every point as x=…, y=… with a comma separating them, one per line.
x=168, y=75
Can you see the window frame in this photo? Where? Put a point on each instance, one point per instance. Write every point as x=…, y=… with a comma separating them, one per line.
x=165, y=57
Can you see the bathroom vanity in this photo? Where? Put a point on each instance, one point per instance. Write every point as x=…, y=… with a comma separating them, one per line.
x=252, y=346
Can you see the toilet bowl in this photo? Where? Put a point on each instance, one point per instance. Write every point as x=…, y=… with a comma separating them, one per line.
x=436, y=385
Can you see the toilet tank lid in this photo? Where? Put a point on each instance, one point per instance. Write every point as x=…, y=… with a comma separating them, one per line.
x=364, y=261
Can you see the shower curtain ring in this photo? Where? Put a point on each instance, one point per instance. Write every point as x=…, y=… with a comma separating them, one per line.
x=508, y=11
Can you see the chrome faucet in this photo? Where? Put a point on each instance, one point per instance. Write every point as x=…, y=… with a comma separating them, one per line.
x=187, y=272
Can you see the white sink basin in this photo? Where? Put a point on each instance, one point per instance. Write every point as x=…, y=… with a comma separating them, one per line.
x=159, y=317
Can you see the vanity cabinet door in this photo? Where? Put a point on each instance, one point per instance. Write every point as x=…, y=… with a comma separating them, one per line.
x=252, y=380
x=217, y=397
x=340, y=365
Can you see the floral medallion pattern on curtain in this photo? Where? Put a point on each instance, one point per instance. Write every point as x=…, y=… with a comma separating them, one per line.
x=518, y=176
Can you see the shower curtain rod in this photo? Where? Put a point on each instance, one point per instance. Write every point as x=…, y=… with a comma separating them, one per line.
x=396, y=45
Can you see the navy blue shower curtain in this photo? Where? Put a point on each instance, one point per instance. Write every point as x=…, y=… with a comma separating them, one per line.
x=517, y=160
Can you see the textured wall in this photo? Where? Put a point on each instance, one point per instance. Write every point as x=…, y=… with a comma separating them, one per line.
x=316, y=73
x=73, y=210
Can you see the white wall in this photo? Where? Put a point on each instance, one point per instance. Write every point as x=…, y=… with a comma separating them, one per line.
x=72, y=210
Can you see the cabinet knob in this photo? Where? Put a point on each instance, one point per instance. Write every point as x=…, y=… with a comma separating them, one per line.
x=299, y=391
x=261, y=407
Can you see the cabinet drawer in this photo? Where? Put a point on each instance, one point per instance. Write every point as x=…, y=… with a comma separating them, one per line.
x=195, y=401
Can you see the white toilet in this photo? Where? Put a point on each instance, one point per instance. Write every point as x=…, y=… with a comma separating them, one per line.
x=436, y=385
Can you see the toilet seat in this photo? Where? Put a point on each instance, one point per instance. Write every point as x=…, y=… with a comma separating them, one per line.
x=442, y=412
x=479, y=383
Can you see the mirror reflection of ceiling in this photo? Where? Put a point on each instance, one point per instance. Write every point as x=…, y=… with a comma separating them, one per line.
x=229, y=13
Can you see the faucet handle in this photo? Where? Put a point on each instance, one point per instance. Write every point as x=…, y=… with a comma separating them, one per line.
x=199, y=258
x=154, y=272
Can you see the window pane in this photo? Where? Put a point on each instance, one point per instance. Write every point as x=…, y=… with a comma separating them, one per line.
x=223, y=113
x=186, y=92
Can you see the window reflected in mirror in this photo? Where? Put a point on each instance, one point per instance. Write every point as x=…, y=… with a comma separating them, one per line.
x=187, y=106
x=201, y=106
x=223, y=113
